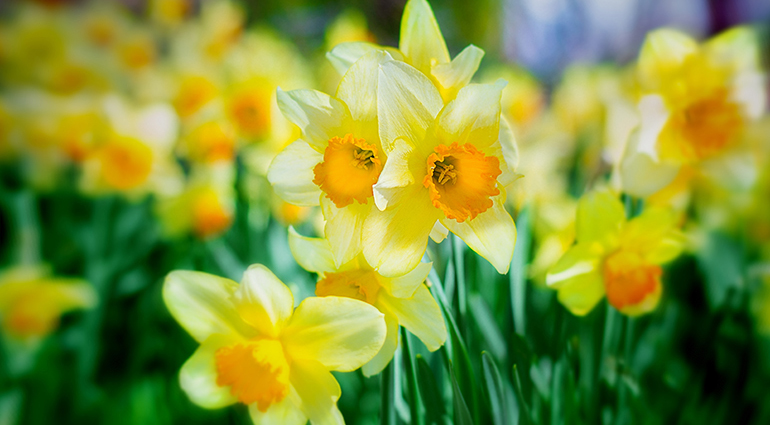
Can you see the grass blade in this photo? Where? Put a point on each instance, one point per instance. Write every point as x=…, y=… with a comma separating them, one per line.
x=429, y=390
x=492, y=383
x=411, y=380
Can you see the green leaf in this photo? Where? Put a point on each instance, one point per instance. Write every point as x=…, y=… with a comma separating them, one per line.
x=493, y=386
x=411, y=379
x=388, y=395
x=462, y=416
x=524, y=415
x=721, y=261
x=518, y=274
x=430, y=392
x=485, y=320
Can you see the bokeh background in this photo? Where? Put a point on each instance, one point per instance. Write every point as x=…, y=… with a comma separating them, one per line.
x=71, y=72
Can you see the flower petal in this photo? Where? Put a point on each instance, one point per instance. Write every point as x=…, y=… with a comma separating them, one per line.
x=344, y=55
x=404, y=286
x=473, y=117
x=579, y=260
x=600, y=216
x=343, y=228
x=458, y=73
x=420, y=38
x=641, y=174
x=318, y=392
x=510, y=153
x=362, y=78
x=394, y=240
x=263, y=301
x=663, y=51
x=385, y=355
x=318, y=115
x=285, y=412
x=395, y=176
x=202, y=304
x=421, y=315
x=407, y=102
x=439, y=232
x=653, y=235
x=312, y=254
x=581, y=293
x=340, y=333
x=291, y=174
x=492, y=234
x=198, y=376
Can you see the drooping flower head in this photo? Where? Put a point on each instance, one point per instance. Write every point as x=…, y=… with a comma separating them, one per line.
x=404, y=300
x=258, y=350
x=615, y=257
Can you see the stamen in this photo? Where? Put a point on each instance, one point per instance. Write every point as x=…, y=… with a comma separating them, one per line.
x=363, y=158
x=444, y=172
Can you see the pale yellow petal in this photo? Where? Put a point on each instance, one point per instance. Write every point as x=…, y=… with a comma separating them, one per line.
x=421, y=315
x=395, y=176
x=318, y=391
x=420, y=39
x=202, y=304
x=509, y=150
x=600, y=216
x=394, y=240
x=663, y=51
x=407, y=102
x=457, y=74
x=439, y=232
x=642, y=175
x=492, y=234
x=344, y=55
x=737, y=47
x=405, y=285
x=72, y=294
x=653, y=235
x=579, y=260
x=318, y=115
x=473, y=117
x=291, y=174
x=263, y=301
x=340, y=333
x=581, y=294
x=385, y=355
x=343, y=228
x=198, y=376
x=312, y=254
x=285, y=412
x=362, y=78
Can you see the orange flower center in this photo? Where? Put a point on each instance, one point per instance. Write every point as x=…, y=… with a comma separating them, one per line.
x=256, y=372
x=358, y=284
x=461, y=180
x=137, y=53
x=126, y=163
x=34, y=313
x=628, y=279
x=194, y=92
x=209, y=215
x=349, y=170
x=702, y=128
x=211, y=142
x=250, y=110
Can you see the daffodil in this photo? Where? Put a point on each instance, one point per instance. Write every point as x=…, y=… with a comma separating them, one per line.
x=31, y=301
x=422, y=46
x=446, y=164
x=256, y=349
x=404, y=300
x=339, y=156
x=697, y=102
x=615, y=257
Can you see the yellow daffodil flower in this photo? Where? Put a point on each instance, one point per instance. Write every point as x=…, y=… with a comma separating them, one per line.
x=422, y=46
x=697, y=101
x=258, y=350
x=339, y=157
x=31, y=301
x=210, y=141
x=446, y=164
x=615, y=257
x=404, y=300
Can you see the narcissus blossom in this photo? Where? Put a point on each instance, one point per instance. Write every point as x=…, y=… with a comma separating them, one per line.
x=697, y=101
x=422, y=46
x=258, y=350
x=404, y=300
x=615, y=257
x=446, y=164
x=339, y=156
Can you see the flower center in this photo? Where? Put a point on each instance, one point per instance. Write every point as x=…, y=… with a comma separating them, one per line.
x=628, y=279
x=358, y=284
x=250, y=110
x=256, y=372
x=126, y=163
x=194, y=92
x=349, y=169
x=209, y=215
x=211, y=142
x=461, y=180
x=702, y=128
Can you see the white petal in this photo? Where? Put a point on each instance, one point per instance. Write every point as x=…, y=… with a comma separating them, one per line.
x=312, y=254
x=291, y=174
x=395, y=176
x=318, y=115
x=344, y=55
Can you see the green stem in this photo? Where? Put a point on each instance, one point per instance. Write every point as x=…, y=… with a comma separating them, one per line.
x=388, y=395
x=411, y=379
